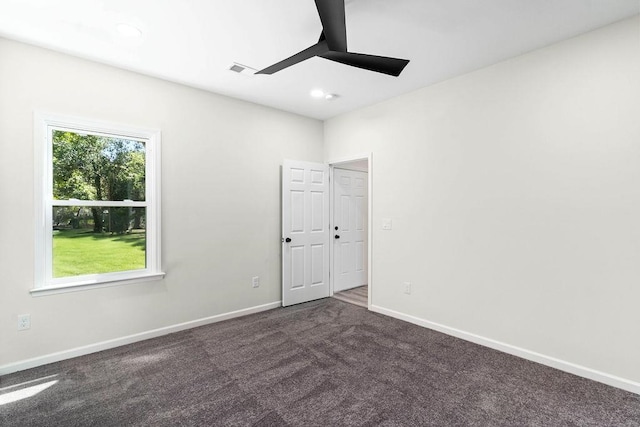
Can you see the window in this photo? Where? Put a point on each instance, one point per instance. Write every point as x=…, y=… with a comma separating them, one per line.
x=98, y=204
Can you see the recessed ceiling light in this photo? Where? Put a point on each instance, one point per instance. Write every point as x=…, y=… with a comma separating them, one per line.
x=318, y=93
x=128, y=30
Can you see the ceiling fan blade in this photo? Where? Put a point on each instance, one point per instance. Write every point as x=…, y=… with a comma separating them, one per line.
x=315, y=50
x=334, y=26
x=380, y=64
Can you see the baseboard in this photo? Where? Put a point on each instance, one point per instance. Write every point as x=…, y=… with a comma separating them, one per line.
x=572, y=368
x=130, y=339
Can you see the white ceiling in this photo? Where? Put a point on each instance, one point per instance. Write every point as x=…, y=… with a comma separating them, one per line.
x=194, y=42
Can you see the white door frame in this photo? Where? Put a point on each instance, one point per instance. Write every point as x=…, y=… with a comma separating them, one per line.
x=337, y=163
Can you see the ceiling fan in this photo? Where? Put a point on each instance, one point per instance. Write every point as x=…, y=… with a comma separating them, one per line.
x=333, y=45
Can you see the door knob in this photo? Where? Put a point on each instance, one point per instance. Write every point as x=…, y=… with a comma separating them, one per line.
x=287, y=240
x=336, y=228
x=336, y=236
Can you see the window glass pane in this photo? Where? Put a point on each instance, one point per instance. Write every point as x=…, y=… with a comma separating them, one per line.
x=91, y=240
x=92, y=167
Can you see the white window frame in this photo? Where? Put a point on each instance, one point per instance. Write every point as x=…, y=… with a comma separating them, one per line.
x=44, y=125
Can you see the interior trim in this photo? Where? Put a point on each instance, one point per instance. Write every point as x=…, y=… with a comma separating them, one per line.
x=572, y=368
x=129, y=339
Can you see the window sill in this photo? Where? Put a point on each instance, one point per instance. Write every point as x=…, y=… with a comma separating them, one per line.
x=94, y=284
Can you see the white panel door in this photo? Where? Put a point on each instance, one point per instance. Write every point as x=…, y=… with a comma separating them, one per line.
x=305, y=232
x=350, y=229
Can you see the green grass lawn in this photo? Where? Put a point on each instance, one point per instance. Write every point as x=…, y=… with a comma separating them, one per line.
x=77, y=252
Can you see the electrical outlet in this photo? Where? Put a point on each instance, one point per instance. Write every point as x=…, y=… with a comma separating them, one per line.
x=255, y=281
x=24, y=322
x=406, y=287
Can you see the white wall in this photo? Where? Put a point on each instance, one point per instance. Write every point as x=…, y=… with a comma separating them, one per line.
x=221, y=200
x=515, y=198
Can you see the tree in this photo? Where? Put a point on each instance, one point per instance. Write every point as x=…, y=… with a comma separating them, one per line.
x=92, y=167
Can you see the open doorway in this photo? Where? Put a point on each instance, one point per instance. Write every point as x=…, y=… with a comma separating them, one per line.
x=350, y=230
x=310, y=242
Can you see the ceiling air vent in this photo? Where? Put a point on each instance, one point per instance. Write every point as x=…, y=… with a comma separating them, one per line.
x=242, y=69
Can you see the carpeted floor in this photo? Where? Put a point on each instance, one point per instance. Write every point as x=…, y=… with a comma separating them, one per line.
x=324, y=363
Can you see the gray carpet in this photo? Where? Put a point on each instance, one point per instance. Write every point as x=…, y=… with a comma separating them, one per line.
x=324, y=363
